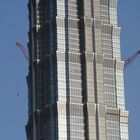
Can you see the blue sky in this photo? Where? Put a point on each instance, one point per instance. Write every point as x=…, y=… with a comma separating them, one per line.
x=14, y=67
x=129, y=20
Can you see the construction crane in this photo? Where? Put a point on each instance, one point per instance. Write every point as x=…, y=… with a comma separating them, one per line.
x=131, y=59
x=127, y=62
x=23, y=50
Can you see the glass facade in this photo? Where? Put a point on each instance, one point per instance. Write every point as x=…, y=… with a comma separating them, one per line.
x=75, y=81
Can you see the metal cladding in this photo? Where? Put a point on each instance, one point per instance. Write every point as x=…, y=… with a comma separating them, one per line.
x=75, y=81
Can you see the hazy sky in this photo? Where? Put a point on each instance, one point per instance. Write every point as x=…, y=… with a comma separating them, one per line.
x=14, y=67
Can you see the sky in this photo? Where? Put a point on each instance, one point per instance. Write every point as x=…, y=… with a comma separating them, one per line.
x=14, y=67
x=129, y=20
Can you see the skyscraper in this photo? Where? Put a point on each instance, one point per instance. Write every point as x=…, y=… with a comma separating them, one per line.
x=75, y=81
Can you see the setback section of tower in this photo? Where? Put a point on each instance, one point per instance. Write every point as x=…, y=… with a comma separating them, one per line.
x=75, y=81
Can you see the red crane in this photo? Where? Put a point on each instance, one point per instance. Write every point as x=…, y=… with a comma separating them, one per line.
x=131, y=59
x=23, y=50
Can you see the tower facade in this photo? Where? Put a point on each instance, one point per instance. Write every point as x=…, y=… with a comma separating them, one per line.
x=75, y=81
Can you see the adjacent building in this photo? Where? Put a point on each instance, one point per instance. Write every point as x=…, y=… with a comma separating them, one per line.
x=75, y=81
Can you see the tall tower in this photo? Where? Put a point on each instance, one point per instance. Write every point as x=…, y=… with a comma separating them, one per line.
x=75, y=81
